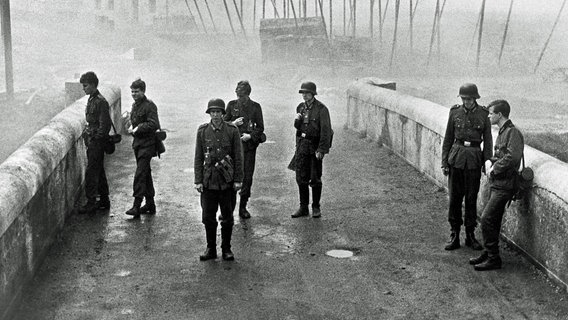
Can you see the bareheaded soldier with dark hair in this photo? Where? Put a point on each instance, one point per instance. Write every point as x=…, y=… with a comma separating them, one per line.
x=145, y=122
x=97, y=114
x=246, y=114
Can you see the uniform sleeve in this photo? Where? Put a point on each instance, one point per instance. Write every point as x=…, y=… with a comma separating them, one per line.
x=512, y=156
x=449, y=138
x=152, y=122
x=298, y=122
x=104, y=119
x=228, y=113
x=199, y=158
x=325, y=131
x=259, y=121
x=238, y=156
x=487, y=141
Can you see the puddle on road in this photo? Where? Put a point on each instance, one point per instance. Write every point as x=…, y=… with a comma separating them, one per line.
x=122, y=273
x=341, y=254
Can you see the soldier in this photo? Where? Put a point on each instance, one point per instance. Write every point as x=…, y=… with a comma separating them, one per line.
x=98, y=119
x=247, y=116
x=313, y=140
x=462, y=159
x=218, y=167
x=144, y=123
x=502, y=171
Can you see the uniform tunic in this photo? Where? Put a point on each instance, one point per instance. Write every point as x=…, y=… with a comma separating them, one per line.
x=313, y=134
x=98, y=119
x=462, y=154
x=144, y=116
x=509, y=147
x=253, y=124
x=213, y=145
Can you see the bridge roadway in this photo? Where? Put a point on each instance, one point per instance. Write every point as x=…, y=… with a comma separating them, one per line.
x=109, y=266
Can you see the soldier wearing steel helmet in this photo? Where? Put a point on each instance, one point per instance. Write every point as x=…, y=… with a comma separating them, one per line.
x=218, y=167
x=463, y=159
x=313, y=140
x=246, y=114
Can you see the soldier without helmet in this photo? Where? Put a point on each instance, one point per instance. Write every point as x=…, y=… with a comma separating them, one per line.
x=467, y=130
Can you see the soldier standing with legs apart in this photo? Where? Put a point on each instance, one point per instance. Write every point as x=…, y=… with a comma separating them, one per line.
x=502, y=170
x=247, y=116
x=313, y=140
x=145, y=122
x=218, y=167
x=462, y=159
x=98, y=119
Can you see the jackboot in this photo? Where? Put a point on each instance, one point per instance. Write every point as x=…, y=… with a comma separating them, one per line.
x=135, y=210
x=470, y=241
x=301, y=212
x=88, y=208
x=243, y=212
x=226, y=233
x=492, y=263
x=316, y=197
x=103, y=203
x=149, y=207
x=211, y=237
x=454, y=242
x=484, y=256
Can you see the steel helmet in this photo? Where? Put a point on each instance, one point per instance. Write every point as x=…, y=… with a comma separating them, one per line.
x=308, y=87
x=217, y=103
x=469, y=90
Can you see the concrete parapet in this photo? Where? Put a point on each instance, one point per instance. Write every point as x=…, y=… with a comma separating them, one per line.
x=414, y=129
x=41, y=182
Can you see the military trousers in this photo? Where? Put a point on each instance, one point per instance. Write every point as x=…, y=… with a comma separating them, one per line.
x=95, y=175
x=463, y=183
x=492, y=218
x=249, y=159
x=308, y=169
x=213, y=200
x=143, y=185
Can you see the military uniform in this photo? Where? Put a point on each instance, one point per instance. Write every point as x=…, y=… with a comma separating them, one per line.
x=98, y=119
x=509, y=147
x=144, y=116
x=213, y=145
x=462, y=154
x=253, y=124
x=313, y=134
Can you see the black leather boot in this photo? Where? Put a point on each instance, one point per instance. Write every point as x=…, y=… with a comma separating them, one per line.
x=470, y=240
x=454, y=242
x=210, y=253
x=304, y=190
x=492, y=263
x=301, y=212
x=243, y=212
x=211, y=237
x=316, y=197
x=226, y=233
x=149, y=207
x=89, y=208
x=480, y=259
x=135, y=210
x=103, y=203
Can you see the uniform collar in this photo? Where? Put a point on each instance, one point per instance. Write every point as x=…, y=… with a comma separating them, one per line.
x=310, y=104
x=94, y=94
x=506, y=125
x=138, y=102
x=470, y=110
x=221, y=126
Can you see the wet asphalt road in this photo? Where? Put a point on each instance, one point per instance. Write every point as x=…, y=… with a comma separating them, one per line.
x=110, y=266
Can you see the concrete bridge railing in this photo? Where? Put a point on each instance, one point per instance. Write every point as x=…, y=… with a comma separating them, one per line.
x=414, y=129
x=40, y=184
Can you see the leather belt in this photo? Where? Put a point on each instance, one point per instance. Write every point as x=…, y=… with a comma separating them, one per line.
x=468, y=143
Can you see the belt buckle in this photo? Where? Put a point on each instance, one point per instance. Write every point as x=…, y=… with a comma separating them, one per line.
x=467, y=143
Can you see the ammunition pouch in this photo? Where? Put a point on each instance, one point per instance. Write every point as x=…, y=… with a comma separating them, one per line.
x=225, y=168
